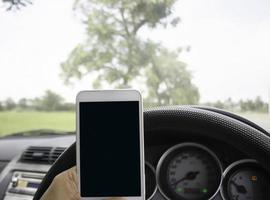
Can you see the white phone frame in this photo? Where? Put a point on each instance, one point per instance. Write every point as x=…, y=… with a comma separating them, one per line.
x=103, y=96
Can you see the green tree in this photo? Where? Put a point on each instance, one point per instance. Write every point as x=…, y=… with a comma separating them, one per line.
x=22, y=103
x=219, y=104
x=10, y=104
x=67, y=107
x=35, y=103
x=1, y=106
x=168, y=80
x=114, y=50
x=50, y=101
x=260, y=105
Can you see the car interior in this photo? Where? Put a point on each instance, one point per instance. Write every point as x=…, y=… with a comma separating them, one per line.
x=226, y=146
x=185, y=124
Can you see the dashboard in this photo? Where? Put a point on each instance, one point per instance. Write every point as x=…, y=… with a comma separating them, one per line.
x=24, y=162
x=180, y=164
x=199, y=170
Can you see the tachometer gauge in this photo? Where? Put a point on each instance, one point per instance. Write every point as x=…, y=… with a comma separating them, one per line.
x=245, y=180
x=189, y=171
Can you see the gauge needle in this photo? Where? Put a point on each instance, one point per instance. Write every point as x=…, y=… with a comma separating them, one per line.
x=189, y=176
x=239, y=188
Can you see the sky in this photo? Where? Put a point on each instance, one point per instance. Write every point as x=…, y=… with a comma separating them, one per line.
x=229, y=41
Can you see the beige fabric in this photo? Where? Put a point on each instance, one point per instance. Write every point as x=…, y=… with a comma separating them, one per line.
x=65, y=187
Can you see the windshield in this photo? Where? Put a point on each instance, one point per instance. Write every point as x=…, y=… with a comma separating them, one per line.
x=176, y=52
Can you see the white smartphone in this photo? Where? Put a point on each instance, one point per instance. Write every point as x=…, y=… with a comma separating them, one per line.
x=110, y=146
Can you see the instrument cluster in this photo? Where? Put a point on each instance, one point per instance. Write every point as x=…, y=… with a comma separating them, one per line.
x=191, y=171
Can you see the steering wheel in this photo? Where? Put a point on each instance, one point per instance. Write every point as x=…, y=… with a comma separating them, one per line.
x=165, y=122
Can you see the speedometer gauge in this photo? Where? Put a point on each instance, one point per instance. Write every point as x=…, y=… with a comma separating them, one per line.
x=245, y=180
x=189, y=171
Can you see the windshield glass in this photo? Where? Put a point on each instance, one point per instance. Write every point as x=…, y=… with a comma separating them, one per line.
x=176, y=52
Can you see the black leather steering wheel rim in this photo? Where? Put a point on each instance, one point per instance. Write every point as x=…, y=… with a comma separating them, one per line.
x=176, y=120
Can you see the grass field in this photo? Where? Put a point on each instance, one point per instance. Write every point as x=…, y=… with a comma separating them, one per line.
x=12, y=122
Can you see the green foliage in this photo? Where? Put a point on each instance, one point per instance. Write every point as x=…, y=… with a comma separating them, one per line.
x=250, y=105
x=10, y=104
x=22, y=103
x=254, y=105
x=1, y=106
x=50, y=101
x=169, y=81
x=218, y=104
x=114, y=50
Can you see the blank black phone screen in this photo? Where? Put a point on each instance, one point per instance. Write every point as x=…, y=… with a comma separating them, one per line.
x=109, y=149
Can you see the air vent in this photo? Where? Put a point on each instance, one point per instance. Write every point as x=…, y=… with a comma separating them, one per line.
x=44, y=155
x=36, y=154
x=56, y=152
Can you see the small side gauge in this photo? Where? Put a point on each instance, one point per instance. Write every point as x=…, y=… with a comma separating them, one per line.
x=245, y=180
x=150, y=181
x=189, y=171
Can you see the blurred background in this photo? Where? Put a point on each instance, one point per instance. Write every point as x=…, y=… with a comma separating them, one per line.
x=177, y=52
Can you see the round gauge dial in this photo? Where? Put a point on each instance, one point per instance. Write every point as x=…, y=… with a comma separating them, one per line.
x=245, y=180
x=189, y=172
x=150, y=181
